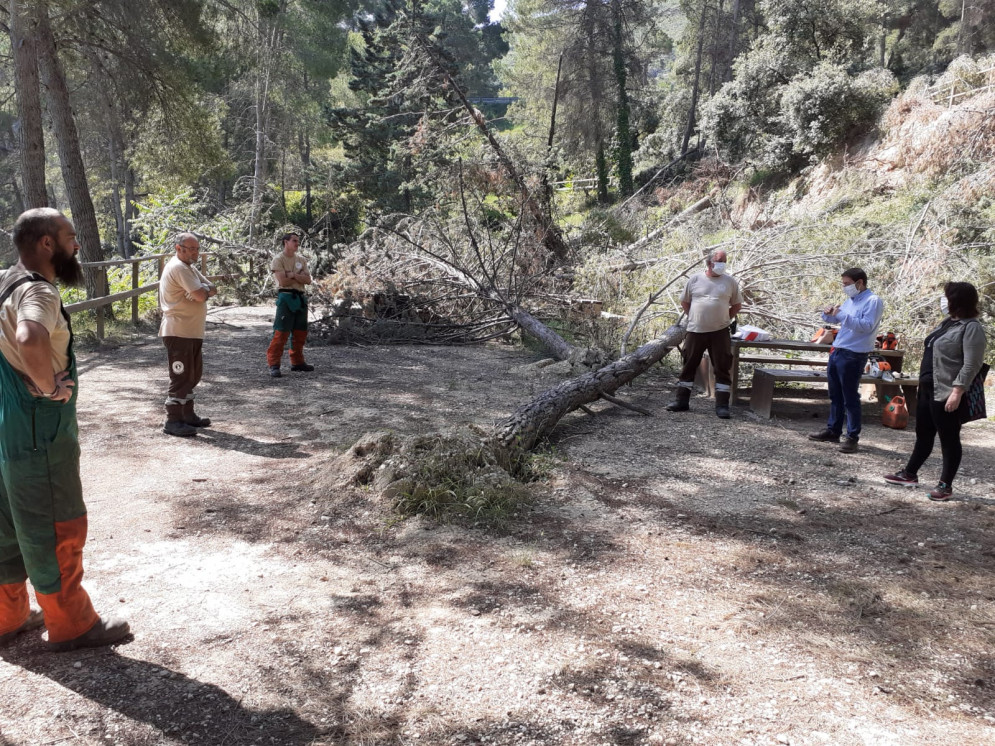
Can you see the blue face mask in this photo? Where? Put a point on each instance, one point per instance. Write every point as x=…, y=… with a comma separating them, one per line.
x=944, y=305
x=718, y=268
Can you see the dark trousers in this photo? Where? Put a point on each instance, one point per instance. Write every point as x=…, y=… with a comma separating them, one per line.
x=844, y=370
x=719, y=347
x=932, y=420
x=186, y=365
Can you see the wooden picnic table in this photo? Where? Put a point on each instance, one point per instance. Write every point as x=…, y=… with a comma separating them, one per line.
x=779, y=354
x=786, y=346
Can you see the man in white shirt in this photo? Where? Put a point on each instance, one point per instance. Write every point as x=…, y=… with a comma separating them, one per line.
x=183, y=294
x=711, y=300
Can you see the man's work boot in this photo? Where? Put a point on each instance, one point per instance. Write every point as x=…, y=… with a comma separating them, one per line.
x=825, y=436
x=722, y=404
x=682, y=400
x=191, y=418
x=849, y=445
x=297, y=342
x=104, y=632
x=35, y=620
x=274, y=371
x=175, y=424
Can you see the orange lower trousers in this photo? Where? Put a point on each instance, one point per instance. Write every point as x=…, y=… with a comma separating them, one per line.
x=276, y=346
x=68, y=612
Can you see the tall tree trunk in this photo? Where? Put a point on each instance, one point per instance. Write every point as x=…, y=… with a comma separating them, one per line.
x=70, y=156
x=714, y=52
x=962, y=29
x=130, y=211
x=595, y=93
x=115, y=168
x=733, y=42
x=601, y=172
x=283, y=182
x=30, y=135
x=259, y=170
x=18, y=194
x=115, y=151
x=267, y=52
x=883, y=41
x=695, y=87
x=304, y=145
x=547, y=166
x=623, y=135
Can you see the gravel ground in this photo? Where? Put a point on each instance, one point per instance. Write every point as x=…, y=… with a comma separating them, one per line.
x=678, y=579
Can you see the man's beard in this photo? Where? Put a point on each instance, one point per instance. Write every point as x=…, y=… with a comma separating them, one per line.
x=68, y=270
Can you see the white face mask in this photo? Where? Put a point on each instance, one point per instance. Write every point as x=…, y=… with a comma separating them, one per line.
x=718, y=268
x=850, y=290
x=944, y=305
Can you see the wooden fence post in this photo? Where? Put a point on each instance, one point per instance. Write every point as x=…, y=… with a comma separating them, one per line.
x=100, y=309
x=134, y=286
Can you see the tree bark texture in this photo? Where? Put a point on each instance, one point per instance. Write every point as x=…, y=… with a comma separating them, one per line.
x=70, y=155
x=268, y=48
x=30, y=135
x=549, y=339
x=259, y=169
x=623, y=135
x=532, y=422
x=116, y=159
x=547, y=188
x=130, y=211
x=591, y=55
x=696, y=85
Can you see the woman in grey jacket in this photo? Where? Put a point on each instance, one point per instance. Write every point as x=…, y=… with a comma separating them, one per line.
x=952, y=356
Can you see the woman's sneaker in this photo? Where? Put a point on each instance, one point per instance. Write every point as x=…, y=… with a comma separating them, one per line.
x=901, y=477
x=941, y=493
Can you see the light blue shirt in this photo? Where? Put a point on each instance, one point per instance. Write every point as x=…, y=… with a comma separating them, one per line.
x=859, y=318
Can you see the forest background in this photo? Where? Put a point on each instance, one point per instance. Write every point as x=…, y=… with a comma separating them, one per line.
x=594, y=149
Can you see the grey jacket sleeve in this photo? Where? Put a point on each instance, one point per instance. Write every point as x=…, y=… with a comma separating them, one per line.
x=974, y=354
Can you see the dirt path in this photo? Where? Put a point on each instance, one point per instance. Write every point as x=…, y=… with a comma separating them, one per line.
x=678, y=580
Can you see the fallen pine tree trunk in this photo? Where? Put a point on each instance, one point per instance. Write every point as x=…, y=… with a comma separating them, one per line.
x=534, y=421
x=471, y=472
x=550, y=340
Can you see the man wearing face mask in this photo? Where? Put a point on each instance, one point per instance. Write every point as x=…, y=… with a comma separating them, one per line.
x=711, y=300
x=858, y=318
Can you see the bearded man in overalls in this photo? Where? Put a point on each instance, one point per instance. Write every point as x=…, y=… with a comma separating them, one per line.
x=42, y=515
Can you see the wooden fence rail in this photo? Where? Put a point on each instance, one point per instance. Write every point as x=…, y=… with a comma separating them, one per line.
x=585, y=184
x=948, y=93
x=98, y=304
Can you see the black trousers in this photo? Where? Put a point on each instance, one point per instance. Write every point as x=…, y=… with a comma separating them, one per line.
x=186, y=365
x=932, y=420
x=719, y=346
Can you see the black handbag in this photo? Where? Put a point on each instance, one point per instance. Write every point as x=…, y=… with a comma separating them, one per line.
x=973, y=406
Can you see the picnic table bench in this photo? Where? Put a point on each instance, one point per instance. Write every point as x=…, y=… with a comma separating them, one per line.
x=780, y=353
